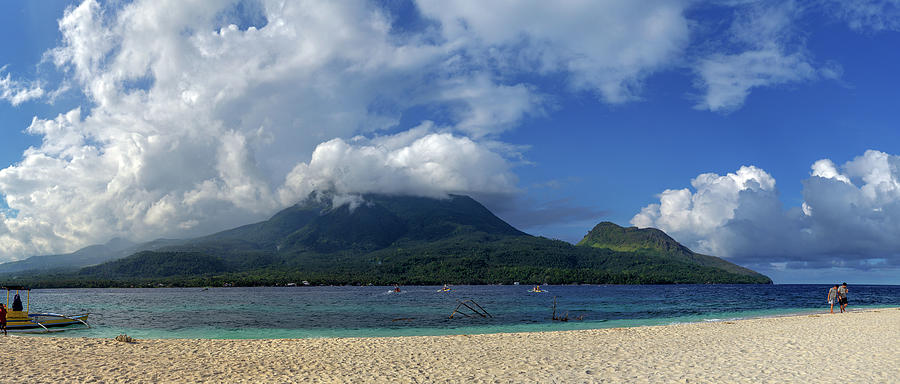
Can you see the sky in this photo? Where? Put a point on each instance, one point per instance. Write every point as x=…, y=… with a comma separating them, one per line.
x=763, y=132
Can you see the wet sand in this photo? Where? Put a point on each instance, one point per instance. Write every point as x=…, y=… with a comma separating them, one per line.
x=859, y=347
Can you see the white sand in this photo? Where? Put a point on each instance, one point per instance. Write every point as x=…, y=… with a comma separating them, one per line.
x=857, y=347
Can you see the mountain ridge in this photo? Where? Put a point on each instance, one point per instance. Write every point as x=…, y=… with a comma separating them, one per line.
x=387, y=239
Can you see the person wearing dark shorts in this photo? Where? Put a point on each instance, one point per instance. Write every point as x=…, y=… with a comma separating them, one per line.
x=842, y=297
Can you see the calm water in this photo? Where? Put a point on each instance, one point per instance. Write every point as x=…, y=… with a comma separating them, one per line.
x=299, y=312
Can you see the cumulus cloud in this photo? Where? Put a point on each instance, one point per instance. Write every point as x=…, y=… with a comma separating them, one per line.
x=199, y=110
x=204, y=115
x=696, y=217
x=848, y=217
x=417, y=162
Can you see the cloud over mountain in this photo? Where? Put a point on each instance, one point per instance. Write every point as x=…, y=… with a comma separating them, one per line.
x=848, y=219
x=199, y=116
x=416, y=162
x=202, y=116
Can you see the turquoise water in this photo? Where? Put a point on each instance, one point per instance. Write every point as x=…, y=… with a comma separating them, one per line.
x=304, y=312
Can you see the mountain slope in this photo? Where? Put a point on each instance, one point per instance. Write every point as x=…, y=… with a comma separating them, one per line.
x=91, y=255
x=652, y=241
x=95, y=254
x=381, y=221
x=159, y=264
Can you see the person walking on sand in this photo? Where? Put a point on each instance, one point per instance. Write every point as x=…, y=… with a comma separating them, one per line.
x=832, y=296
x=842, y=297
x=3, y=318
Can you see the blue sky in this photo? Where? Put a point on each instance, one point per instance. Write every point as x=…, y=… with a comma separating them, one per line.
x=763, y=132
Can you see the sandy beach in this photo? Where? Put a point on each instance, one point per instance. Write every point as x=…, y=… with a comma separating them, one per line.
x=857, y=347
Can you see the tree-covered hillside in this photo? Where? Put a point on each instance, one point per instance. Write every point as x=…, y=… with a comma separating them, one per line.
x=652, y=241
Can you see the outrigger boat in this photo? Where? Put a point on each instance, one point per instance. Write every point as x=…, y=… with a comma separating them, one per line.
x=19, y=319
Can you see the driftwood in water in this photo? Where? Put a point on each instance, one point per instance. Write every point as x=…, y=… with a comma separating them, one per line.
x=482, y=309
x=564, y=317
x=465, y=303
x=455, y=311
x=554, y=308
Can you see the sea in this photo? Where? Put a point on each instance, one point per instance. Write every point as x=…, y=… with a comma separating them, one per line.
x=377, y=311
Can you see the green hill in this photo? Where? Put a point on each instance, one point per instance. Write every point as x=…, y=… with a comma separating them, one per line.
x=396, y=239
x=652, y=241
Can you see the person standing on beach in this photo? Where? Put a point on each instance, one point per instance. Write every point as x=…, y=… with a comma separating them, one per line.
x=842, y=296
x=3, y=318
x=832, y=295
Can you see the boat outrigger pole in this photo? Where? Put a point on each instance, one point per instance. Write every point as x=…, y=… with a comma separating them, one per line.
x=73, y=319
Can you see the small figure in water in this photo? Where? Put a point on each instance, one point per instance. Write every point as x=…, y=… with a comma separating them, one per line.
x=397, y=288
x=17, y=303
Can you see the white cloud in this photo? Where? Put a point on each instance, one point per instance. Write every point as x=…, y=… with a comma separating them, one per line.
x=196, y=126
x=848, y=217
x=608, y=47
x=696, y=217
x=770, y=54
x=826, y=169
x=205, y=115
x=864, y=15
x=728, y=79
x=482, y=108
x=419, y=163
x=16, y=92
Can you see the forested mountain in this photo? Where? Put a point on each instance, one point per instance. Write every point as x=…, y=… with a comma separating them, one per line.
x=398, y=239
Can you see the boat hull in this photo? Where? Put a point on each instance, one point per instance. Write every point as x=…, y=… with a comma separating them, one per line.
x=42, y=322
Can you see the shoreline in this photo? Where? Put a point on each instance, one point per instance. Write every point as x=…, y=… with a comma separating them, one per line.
x=785, y=348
